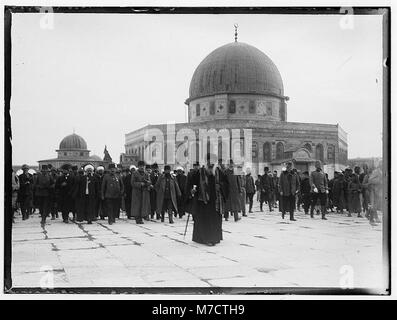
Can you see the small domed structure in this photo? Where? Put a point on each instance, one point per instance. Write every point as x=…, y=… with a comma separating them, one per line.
x=73, y=142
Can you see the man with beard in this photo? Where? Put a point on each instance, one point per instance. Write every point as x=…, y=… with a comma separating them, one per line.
x=43, y=184
x=168, y=192
x=141, y=186
x=267, y=188
x=154, y=175
x=100, y=210
x=25, y=194
x=319, y=185
x=250, y=189
x=112, y=189
x=87, y=195
x=207, y=227
x=63, y=188
x=233, y=200
x=181, y=179
x=288, y=187
x=128, y=191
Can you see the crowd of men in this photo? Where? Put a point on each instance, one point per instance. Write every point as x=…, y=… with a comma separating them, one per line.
x=210, y=193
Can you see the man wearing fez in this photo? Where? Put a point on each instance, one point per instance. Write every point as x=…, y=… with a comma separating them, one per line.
x=319, y=189
x=266, y=186
x=141, y=187
x=127, y=191
x=111, y=191
x=87, y=193
x=63, y=187
x=233, y=204
x=25, y=193
x=288, y=187
x=43, y=185
x=207, y=227
x=167, y=194
x=100, y=210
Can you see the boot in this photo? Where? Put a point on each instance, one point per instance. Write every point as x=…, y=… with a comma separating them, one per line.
x=283, y=214
x=261, y=207
x=170, y=217
x=291, y=216
x=162, y=217
x=311, y=213
x=236, y=218
x=323, y=211
x=226, y=216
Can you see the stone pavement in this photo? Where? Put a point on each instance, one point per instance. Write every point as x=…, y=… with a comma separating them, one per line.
x=261, y=250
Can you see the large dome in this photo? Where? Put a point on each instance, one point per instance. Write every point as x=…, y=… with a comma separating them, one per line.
x=236, y=68
x=73, y=142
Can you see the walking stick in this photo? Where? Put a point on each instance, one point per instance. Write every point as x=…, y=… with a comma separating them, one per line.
x=187, y=222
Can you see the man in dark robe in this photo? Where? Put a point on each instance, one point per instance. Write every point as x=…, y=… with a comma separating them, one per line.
x=207, y=227
x=154, y=175
x=267, y=188
x=250, y=189
x=25, y=193
x=100, y=210
x=87, y=194
x=112, y=189
x=288, y=187
x=181, y=179
x=233, y=204
x=128, y=191
x=43, y=184
x=63, y=187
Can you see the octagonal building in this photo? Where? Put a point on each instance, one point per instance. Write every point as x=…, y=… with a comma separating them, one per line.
x=237, y=86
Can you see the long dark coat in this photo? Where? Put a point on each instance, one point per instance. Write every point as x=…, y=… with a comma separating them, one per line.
x=63, y=188
x=207, y=221
x=338, y=193
x=140, y=201
x=233, y=203
x=189, y=200
x=174, y=190
x=86, y=205
x=153, y=196
x=288, y=186
x=181, y=179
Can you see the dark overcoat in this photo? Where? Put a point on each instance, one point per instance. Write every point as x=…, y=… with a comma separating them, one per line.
x=140, y=201
x=174, y=190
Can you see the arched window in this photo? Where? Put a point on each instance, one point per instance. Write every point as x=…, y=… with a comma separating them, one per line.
x=267, y=152
x=308, y=147
x=282, y=111
x=198, y=110
x=279, y=150
x=331, y=152
x=320, y=152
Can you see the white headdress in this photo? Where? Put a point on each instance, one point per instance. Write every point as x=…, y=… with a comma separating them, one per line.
x=89, y=166
x=100, y=168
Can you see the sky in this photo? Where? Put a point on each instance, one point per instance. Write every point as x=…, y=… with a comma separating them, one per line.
x=104, y=75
